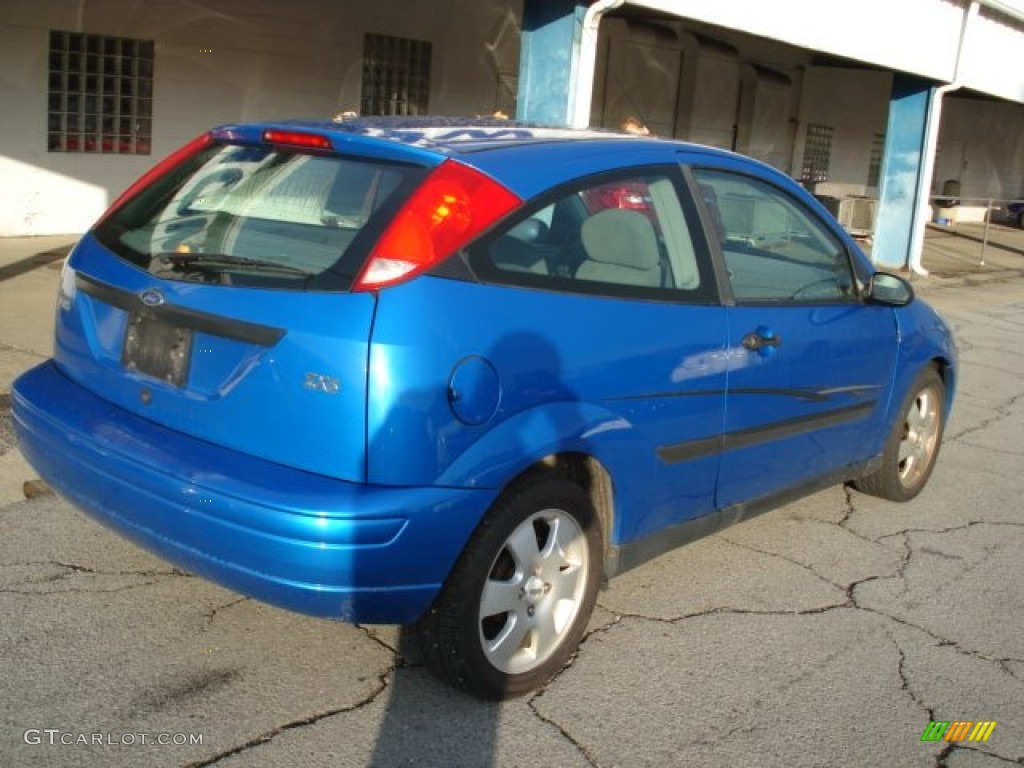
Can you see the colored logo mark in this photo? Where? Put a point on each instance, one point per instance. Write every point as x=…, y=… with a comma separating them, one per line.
x=958, y=730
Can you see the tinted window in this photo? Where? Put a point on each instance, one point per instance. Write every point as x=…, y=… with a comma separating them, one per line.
x=258, y=215
x=628, y=236
x=774, y=248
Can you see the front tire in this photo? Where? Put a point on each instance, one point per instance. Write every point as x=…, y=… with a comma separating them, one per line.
x=913, y=443
x=517, y=603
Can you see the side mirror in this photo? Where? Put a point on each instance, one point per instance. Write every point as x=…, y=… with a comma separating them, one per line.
x=891, y=290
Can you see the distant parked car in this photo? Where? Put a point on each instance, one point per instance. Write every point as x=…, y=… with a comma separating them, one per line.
x=1008, y=213
x=453, y=375
x=1016, y=212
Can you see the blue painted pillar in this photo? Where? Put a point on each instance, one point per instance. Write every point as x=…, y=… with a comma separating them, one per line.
x=902, y=200
x=548, y=60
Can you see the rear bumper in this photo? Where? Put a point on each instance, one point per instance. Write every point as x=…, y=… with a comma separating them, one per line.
x=300, y=541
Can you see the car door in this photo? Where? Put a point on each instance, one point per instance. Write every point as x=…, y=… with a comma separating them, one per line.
x=616, y=311
x=811, y=363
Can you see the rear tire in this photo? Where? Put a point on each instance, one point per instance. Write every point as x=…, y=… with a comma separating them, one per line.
x=913, y=443
x=517, y=603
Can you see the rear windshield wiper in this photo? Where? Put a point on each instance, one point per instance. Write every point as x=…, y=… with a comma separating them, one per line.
x=217, y=262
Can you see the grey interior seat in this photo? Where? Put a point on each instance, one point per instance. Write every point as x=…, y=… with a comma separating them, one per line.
x=621, y=247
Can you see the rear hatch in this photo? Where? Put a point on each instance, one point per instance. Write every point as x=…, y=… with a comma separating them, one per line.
x=215, y=298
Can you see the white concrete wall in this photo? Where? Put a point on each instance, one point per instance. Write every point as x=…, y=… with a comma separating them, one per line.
x=267, y=59
x=637, y=75
x=855, y=103
x=770, y=122
x=662, y=74
x=913, y=36
x=715, y=95
x=993, y=57
x=981, y=145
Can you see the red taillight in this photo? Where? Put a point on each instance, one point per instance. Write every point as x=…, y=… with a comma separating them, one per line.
x=197, y=145
x=296, y=139
x=453, y=205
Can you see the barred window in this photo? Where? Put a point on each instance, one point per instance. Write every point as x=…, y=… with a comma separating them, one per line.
x=396, y=76
x=875, y=162
x=817, y=153
x=100, y=94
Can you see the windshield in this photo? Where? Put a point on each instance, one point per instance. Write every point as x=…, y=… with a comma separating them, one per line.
x=260, y=216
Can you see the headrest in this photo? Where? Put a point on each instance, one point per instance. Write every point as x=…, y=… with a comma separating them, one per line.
x=621, y=237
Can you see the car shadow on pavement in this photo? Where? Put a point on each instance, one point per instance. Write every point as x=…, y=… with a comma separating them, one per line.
x=428, y=722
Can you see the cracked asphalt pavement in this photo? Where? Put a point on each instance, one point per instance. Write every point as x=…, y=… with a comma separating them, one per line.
x=827, y=633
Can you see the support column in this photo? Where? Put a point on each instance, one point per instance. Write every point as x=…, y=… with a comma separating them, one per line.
x=549, y=59
x=903, y=202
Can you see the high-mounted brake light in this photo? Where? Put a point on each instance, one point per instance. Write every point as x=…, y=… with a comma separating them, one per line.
x=454, y=204
x=296, y=139
x=197, y=145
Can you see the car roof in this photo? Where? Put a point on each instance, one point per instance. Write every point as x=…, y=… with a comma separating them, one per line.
x=526, y=157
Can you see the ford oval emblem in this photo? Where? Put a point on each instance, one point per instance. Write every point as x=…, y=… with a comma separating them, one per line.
x=152, y=298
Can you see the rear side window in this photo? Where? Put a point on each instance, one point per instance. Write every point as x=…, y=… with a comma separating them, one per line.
x=260, y=215
x=631, y=236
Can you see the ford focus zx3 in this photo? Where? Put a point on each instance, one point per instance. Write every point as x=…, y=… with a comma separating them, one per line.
x=454, y=374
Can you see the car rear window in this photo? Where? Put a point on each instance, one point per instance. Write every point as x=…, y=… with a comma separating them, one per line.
x=260, y=216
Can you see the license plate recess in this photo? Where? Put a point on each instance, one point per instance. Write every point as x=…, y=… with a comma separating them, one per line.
x=156, y=348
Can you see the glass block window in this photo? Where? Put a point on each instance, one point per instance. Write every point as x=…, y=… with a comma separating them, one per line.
x=817, y=153
x=100, y=94
x=396, y=76
x=875, y=162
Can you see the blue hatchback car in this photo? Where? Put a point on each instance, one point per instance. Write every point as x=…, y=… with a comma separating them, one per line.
x=453, y=374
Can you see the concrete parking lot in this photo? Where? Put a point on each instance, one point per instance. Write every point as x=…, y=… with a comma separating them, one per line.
x=827, y=633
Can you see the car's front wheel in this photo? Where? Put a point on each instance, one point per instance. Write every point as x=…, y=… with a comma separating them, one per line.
x=913, y=443
x=516, y=604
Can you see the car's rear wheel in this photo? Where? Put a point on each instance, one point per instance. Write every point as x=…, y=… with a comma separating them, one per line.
x=913, y=443
x=516, y=605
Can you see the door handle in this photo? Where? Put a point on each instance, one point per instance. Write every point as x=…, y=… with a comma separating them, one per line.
x=758, y=340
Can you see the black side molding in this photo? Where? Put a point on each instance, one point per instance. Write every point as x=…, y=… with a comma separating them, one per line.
x=215, y=325
x=709, y=446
